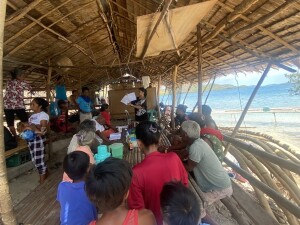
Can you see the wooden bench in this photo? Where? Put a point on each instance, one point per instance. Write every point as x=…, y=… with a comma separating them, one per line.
x=22, y=146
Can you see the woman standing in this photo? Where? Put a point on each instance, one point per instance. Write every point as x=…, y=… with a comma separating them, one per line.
x=38, y=122
x=14, y=100
x=140, y=106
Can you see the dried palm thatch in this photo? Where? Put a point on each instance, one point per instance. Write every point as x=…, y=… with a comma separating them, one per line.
x=99, y=37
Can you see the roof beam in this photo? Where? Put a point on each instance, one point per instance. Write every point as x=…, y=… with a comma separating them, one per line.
x=265, y=18
x=238, y=11
x=264, y=30
x=60, y=37
x=104, y=11
x=33, y=23
x=161, y=16
x=21, y=13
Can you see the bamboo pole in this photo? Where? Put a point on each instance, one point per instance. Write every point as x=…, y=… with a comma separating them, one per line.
x=188, y=90
x=6, y=208
x=266, y=71
x=48, y=96
x=259, y=194
x=210, y=89
x=174, y=76
x=241, y=119
x=200, y=72
x=161, y=16
x=265, y=155
x=291, y=207
x=157, y=97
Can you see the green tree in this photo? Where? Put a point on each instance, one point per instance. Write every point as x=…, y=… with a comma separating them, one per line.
x=294, y=79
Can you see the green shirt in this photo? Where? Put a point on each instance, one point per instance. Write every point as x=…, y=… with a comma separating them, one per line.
x=209, y=172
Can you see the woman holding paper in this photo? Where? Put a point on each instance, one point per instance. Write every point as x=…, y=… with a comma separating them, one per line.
x=140, y=106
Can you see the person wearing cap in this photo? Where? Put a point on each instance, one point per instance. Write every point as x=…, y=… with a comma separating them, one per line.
x=180, y=114
x=140, y=106
x=14, y=99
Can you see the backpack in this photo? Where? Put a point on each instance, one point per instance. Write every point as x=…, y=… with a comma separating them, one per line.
x=9, y=140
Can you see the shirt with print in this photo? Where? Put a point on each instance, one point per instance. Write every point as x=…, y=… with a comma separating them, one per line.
x=140, y=114
x=38, y=117
x=209, y=172
x=14, y=96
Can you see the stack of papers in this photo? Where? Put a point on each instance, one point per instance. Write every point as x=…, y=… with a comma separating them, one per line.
x=115, y=136
x=128, y=98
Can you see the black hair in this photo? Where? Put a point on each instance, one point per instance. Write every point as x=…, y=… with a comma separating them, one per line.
x=85, y=89
x=179, y=205
x=41, y=102
x=104, y=107
x=15, y=73
x=74, y=91
x=76, y=165
x=143, y=90
x=60, y=103
x=148, y=133
x=182, y=107
x=198, y=118
x=108, y=182
x=206, y=110
x=59, y=77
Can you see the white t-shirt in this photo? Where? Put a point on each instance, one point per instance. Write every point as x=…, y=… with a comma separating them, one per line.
x=38, y=117
x=100, y=128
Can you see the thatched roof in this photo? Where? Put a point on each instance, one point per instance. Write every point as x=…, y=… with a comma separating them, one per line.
x=99, y=37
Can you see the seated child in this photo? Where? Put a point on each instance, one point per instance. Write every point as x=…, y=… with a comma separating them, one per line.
x=179, y=205
x=76, y=208
x=107, y=185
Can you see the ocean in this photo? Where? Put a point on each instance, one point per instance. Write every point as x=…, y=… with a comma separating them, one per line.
x=283, y=119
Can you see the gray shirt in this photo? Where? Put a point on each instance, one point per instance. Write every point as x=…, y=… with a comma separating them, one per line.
x=209, y=172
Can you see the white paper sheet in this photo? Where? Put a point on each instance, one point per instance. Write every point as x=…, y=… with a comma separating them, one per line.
x=128, y=98
x=115, y=136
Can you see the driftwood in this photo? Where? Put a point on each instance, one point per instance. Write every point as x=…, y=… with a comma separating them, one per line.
x=291, y=207
x=266, y=156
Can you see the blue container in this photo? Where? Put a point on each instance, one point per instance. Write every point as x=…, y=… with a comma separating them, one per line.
x=102, y=154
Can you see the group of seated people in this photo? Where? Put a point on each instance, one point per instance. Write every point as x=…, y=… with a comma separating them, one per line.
x=154, y=191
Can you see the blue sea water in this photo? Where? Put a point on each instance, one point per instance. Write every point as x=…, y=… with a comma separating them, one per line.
x=282, y=125
x=272, y=96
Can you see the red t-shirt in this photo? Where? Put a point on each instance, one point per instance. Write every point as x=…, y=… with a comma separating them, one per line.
x=106, y=116
x=149, y=176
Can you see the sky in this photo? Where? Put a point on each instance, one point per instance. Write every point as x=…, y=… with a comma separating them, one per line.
x=274, y=77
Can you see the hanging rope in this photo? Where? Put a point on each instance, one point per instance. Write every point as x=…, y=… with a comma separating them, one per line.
x=187, y=92
x=194, y=108
x=210, y=89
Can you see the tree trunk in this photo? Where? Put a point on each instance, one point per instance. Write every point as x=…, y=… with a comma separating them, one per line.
x=6, y=208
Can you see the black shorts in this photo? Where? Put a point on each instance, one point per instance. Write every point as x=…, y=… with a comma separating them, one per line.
x=10, y=116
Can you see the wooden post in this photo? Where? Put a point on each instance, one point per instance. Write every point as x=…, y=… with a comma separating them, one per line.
x=6, y=208
x=241, y=119
x=174, y=76
x=200, y=72
x=158, y=92
x=48, y=96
